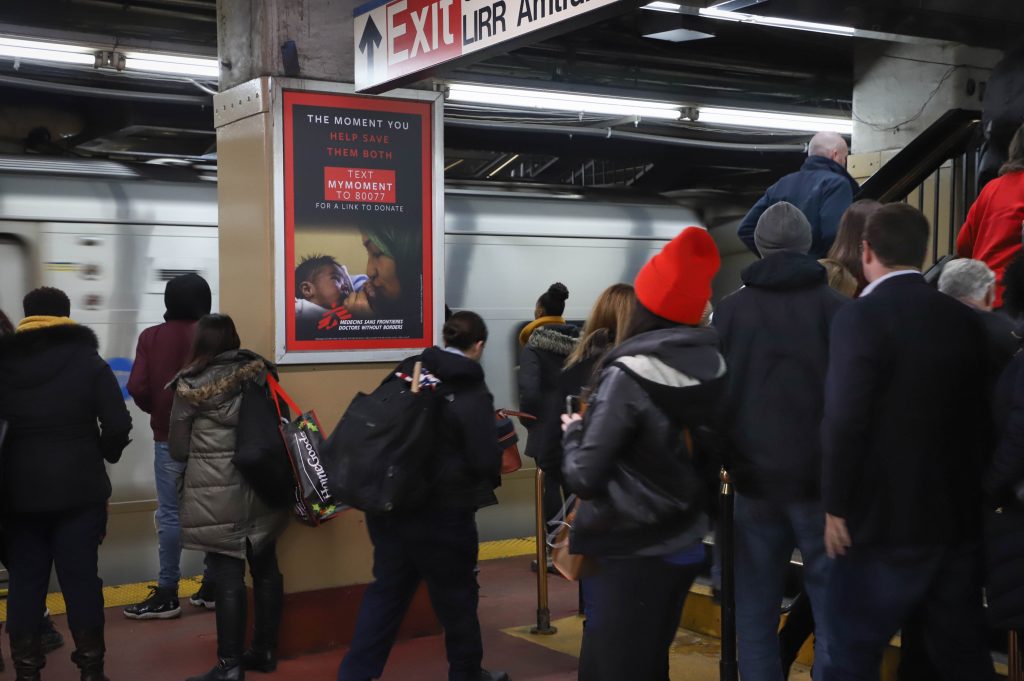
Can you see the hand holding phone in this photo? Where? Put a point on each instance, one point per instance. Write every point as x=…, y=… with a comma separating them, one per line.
x=572, y=411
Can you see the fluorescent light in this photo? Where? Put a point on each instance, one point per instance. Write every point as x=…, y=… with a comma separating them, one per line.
x=560, y=101
x=659, y=6
x=756, y=19
x=775, y=121
x=172, y=64
x=35, y=50
x=62, y=53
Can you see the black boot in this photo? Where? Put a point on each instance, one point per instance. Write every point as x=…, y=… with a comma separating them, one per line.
x=231, y=613
x=27, y=657
x=268, y=596
x=88, y=655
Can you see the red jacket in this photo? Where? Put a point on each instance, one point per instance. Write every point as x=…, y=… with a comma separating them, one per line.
x=161, y=353
x=992, y=232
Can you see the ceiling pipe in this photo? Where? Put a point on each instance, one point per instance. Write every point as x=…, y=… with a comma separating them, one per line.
x=109, y=93
x=611, y=134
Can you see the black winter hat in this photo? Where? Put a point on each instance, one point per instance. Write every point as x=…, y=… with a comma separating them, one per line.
x=187, y=298
x=47, y=301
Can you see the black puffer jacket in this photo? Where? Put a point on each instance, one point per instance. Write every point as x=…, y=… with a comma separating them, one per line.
x=628, y=459
x=775, y=333
x=468, y=460
x=540, y=391
x=66, y=415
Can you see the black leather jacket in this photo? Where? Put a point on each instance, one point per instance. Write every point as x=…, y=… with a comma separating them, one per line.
x=628, y=459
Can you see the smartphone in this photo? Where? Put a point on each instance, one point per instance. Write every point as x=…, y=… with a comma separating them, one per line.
x=572, y=404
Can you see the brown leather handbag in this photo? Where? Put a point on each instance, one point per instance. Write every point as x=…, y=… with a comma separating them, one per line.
x=508, y=440
x=572, y=566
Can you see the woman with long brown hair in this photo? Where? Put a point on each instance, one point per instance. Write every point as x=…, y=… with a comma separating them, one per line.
x=607, y=322
x=846, y=248
x=992, y=231
x=221, y=515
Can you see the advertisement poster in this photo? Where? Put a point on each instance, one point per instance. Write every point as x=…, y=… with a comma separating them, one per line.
x=358, y=202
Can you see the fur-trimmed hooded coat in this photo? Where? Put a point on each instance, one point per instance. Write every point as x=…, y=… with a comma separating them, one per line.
x=541, y=393
x=65, y=415
x=219, y=511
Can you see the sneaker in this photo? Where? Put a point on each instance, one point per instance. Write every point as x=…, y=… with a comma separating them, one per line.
x=50, y=638
x=162, y=604
x=494, y=676
x=205, y=597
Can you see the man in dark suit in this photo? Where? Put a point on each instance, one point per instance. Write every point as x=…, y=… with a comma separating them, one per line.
x=903, y=439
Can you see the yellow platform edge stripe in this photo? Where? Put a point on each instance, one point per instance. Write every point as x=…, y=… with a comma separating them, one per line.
x=126, y=594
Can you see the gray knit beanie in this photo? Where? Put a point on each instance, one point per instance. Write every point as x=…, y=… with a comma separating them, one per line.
x=783, y=227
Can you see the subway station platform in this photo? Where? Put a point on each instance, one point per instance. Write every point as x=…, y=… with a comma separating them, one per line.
x=172, y=650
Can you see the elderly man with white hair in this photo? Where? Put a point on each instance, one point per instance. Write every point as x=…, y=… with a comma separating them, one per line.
x=973, y=283
x=821, y=189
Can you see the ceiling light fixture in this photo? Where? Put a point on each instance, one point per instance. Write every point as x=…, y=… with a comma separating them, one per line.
x=522, y=98
x=172, y=64
x=773, y=120
x=62, y=53
x=34, y=50
x=756, y=19
x=560, y=101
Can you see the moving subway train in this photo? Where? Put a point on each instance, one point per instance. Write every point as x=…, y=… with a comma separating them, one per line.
x=112, y=235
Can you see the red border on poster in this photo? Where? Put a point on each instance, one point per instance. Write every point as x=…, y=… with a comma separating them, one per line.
x=291, y=98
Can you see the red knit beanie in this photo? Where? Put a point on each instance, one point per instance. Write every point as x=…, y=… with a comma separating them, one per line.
x=676, y=283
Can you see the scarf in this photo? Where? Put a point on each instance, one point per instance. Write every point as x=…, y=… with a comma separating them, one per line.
x=42, y=322
x=528, y=330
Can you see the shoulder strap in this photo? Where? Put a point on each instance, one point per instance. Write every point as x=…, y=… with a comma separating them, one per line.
x=277, y=391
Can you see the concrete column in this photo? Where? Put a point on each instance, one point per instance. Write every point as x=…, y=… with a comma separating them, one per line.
x=251, y=33
x=325, y=567
x=902, y=88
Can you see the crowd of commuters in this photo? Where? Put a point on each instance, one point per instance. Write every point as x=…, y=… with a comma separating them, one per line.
x=867, y=419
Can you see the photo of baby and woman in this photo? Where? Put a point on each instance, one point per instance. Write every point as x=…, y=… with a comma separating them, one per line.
x=358, y=284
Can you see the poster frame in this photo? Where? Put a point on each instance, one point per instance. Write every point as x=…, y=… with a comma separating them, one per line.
x=282, y=355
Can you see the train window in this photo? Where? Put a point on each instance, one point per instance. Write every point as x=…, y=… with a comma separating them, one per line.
x=14, y=276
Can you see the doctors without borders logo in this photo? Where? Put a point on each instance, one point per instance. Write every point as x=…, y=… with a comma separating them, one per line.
x=359, y=185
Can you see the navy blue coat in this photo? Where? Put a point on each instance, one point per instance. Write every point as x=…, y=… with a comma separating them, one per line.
x=822, y=189
x=906, y=428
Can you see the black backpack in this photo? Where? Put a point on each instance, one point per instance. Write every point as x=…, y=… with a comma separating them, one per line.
x=380, y=456
x=260, y=454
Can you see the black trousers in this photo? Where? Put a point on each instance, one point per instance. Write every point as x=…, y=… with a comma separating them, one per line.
x=633, y=610
x=438, y=546
x=872, y=592
x=228, y=572
x=67, y=540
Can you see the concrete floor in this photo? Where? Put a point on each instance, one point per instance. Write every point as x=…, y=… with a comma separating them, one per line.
x=172, y=650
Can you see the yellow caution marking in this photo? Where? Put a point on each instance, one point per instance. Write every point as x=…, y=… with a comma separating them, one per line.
x=126, y=594
x=507, y=548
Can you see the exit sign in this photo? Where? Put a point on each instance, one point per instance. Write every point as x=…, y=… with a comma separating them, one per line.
x=397, y=41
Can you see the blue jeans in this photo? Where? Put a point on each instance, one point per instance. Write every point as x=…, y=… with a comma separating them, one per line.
x=766, y=534
x=873, y=591
x=434, y=545
x=169, y=479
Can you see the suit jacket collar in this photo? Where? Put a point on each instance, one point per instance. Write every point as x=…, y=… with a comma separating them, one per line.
x=901, y=276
